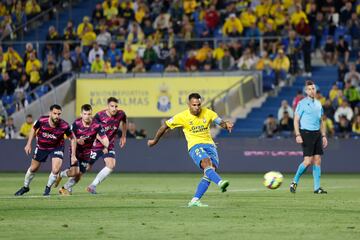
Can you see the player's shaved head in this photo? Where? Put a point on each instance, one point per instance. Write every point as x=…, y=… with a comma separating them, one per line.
x=195, y=96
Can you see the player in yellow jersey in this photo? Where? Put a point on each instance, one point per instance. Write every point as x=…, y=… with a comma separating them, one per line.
x=195, y=123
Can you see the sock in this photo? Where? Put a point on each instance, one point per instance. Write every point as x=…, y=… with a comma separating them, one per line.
x=201, y=189
x=28, y=178
x=316, y=175
x=212, y=175
x=70, y=183
x=101, y=176
x=52, y=179
x=64, y=173
x=299, y=172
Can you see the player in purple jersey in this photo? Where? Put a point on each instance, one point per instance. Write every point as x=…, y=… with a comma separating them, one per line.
x=86, y=131
x=110, y=120
x=49, y=131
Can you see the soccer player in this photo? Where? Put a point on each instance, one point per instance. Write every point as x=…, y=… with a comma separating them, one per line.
x=310, y=132
x=86, y=131
x=110, y=120
x=49, y=131
x=195, y=123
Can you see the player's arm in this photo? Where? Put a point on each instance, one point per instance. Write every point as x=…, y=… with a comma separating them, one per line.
x=297, y=128
x=160, y=132
x=104, y=140
x=30, y=139
x=71, y=135
x=323, y=133
x=123, y=134
x=224, y=124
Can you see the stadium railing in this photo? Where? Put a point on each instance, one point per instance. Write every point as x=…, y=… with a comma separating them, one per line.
x=239, y=94
x=59, y=94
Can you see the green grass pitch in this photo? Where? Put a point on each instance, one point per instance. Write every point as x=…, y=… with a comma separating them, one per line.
x=153, y=206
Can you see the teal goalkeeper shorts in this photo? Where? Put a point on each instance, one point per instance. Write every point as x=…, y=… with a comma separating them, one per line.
x=201, y=151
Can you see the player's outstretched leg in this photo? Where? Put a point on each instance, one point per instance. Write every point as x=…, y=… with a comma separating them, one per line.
x=60, y=176
x=67, y=188
x=300, y=171
x=27, y=180
x=104, y=173
x=200, y=191
x=214, y=177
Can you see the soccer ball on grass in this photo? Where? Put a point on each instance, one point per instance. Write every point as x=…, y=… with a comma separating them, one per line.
x=273, y=180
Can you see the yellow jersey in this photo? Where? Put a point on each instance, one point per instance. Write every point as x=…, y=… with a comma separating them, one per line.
x=195, y=128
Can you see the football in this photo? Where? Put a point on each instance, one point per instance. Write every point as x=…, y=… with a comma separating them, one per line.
x=273, y=180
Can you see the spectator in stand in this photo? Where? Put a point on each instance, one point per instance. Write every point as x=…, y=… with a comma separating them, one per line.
x=21, y=90
x=298, y=15
x=354, y=29
x=66, y=65
x=26, y=126
x=96, y=50
x=127, y=12
x=320, y=97
x=329, y=125
x=345, y=13
x=172, y=61
x=343, y=110
x=329, y=110
x=286, y=125
x=136, y=35
x=356, y=126
x=353, y=76
x=352, y=94
x=318, y=28
x=162, y=52
x=85, y=24
x=69, y=35
x=329, y=52
x=342, y=71
x=306, y=50
x=344, y=127
x=129, y=57
x=97, y=66
x=209, y=63
x=285, y=108
x=32, y=8
x=28, y=50
x=270, y=127
x=281, y=66
x=191, y=64
x=336, y=96
x=113, y=54
x=236, y=49
x=97, y=14
x=342, y=51
x=149, y=56
x=50, y=72
x=203, y=52
x=119, y=68
x=79, y=60
x=6, y=85
x=247, y=60
x=3, y=64
x=87, y=39
x=53, y=36
x=248, y=18
x=264, y=63
x=299, y=96
x=232, y=26
x=33, y=61
x=10, y=130
x=139, y=65
x=162, y=21
x=226, y=63
x=103, y=38
x=132, y=132
x=212, y=19
x=13, y=59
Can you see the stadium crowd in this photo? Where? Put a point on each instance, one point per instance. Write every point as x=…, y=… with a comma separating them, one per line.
x=182, y=35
